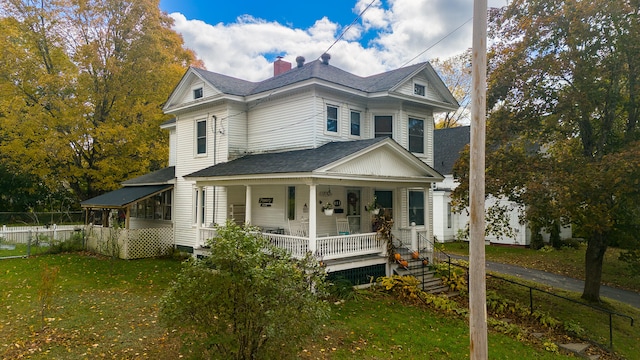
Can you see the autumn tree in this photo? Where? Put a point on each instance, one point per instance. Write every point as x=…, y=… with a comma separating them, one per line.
x=83, y=84
x=456, y=74
x=562, y=135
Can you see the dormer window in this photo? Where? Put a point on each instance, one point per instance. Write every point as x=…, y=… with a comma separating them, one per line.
x=419, y=89
x=197, y=93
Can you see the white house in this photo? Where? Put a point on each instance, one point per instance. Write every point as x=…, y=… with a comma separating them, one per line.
x=274, y=153
x=449, y=225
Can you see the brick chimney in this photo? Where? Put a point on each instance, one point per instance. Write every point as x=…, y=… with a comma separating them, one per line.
x=280, y=66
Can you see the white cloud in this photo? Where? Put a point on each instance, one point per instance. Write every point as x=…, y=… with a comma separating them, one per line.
x=402, y=29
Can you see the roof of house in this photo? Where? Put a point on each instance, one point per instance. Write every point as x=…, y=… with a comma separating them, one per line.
x=447, y=144
x=161, y=176
x=296, y=161
x=124, y=196
x=315, y=69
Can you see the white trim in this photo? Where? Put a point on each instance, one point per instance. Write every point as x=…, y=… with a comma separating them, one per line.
x=424, y=88
x=361, y=112
x=326, y=118
x=195, y=137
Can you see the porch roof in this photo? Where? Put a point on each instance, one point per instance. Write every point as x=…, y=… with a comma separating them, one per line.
x=123, y=197
x=370, y=159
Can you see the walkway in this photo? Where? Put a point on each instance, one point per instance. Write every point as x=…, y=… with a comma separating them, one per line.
x=559, y=281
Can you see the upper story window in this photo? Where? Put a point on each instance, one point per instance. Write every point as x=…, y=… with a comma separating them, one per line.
x=355, y=123
x=197, y=93
x=383, y=126
x=416, y=135
x=332, y=119
x=201, y=137
x=419, y=89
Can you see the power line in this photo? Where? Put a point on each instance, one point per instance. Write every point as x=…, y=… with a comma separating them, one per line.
x=437, y=42
x=350, y=25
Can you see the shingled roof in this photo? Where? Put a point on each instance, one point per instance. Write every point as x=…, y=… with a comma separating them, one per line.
x=297, y=161
x=315, y=69
x=161, y=176
x=447, y=144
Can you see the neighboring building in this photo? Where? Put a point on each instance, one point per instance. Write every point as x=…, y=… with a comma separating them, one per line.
x=274, y=153
x=449, y=225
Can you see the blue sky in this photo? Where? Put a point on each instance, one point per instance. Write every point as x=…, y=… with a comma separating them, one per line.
x=241, y=38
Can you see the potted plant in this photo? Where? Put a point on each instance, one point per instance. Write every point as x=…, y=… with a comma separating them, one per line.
x=327, y=208
x=373, y=207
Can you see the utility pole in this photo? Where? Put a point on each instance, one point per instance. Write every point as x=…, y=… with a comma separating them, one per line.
x=477, y=267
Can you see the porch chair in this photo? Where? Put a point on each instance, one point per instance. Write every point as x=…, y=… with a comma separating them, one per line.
x=298, y=228
x=342, y=226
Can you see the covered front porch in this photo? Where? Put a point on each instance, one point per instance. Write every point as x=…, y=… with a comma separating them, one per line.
x=321, y=200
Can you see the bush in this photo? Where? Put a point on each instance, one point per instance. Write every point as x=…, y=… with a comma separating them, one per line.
x=571, y=243
x=74, y=243
x=248, y=300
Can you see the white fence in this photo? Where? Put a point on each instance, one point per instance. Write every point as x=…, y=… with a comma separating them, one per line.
x=20, y=234
x=130, y=243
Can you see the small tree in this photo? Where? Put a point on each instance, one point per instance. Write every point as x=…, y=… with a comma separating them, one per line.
x=248, y=300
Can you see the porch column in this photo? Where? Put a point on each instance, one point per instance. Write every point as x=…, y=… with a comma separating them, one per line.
x=199, y=209
x=247, y=205
x=313, y=208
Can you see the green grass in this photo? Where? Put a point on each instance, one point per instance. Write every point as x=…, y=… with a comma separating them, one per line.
x=105, y=308
x=376, y=326
x=569, y=262
x=594, y=322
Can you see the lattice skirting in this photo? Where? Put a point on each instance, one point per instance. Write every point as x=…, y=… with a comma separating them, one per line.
x=130, y=244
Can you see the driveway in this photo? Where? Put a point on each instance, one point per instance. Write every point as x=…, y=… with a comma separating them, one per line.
x=559, y=281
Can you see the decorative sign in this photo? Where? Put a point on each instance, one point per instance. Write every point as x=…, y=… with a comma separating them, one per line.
x=265, y=202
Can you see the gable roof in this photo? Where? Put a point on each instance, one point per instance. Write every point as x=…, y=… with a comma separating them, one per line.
x=327, y=160
x=447, y=144
x=317, y=70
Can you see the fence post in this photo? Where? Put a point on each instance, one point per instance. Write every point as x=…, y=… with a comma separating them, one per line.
x=531, y=300
x=29, y=243
x=55, y=232
x=610, y=332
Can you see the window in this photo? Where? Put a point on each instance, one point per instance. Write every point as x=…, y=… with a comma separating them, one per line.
x=332, y=119
x=157, y=207
x=201, y=137
x=416, y=207
x=419, y=89
x=199, y=203
x=291, y=203
x=416, y=135
x=383, y=126
x=197, y=93
x=449, y=215
x=355, y=123
x=385, y=200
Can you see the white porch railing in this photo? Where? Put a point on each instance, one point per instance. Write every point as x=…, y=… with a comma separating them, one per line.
x=334, y=247
x=327, y=248
x=296, y=245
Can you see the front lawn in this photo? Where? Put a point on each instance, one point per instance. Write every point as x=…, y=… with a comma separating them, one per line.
x=104, y=308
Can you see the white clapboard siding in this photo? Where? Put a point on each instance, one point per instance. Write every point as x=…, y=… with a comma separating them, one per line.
x=235, y=128
x=281, y=123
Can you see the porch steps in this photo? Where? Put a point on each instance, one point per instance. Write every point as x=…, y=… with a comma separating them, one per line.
x=428, y=281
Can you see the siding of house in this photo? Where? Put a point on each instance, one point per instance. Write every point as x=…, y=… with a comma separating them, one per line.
x=430, y=92
x=281, y=123
x=235, y=127
x=188, y=162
